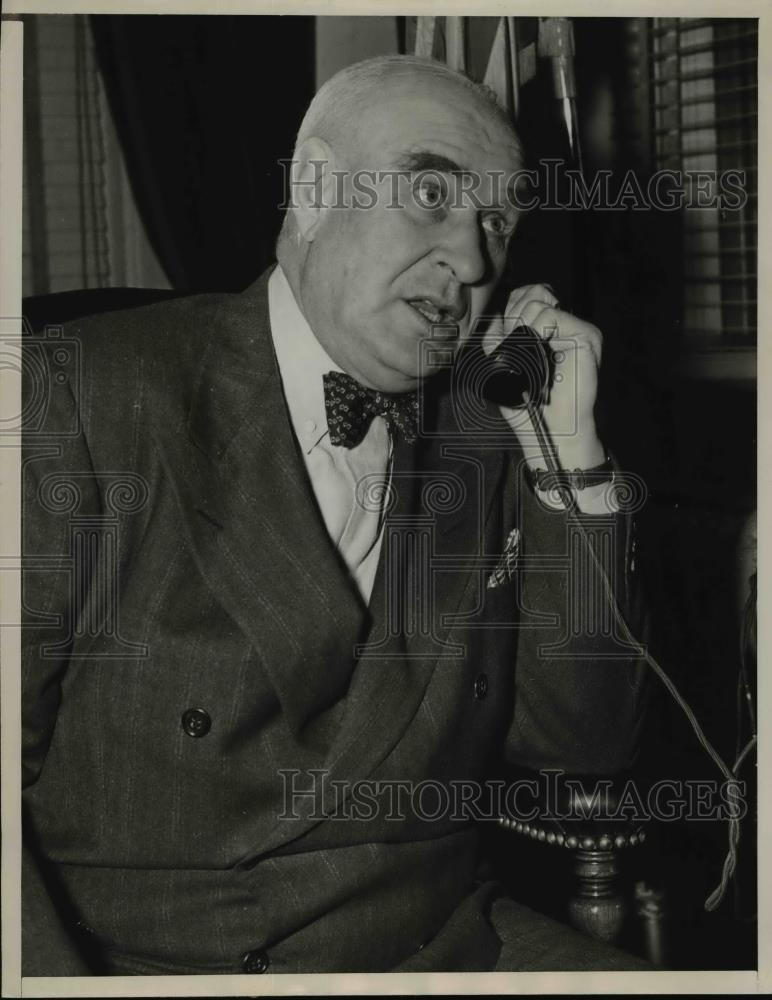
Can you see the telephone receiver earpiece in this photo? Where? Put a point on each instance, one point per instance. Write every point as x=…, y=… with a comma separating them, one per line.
x=518, y=370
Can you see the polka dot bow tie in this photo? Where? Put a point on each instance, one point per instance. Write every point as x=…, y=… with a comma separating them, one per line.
x=351, y=408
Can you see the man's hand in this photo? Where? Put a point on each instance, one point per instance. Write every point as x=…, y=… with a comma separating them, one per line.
x=569, y=409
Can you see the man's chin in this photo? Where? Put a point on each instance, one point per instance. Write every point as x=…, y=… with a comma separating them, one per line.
x=432, y=360
x=397, y=384
x=406, y=370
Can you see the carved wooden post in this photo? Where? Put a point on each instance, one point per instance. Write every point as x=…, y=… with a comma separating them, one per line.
x=597, y=907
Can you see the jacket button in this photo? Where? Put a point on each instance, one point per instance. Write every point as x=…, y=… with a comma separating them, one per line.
x=196, y=722
x=255, y=962
x=481, y=686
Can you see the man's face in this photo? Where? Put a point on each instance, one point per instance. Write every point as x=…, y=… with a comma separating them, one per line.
x=424, y=259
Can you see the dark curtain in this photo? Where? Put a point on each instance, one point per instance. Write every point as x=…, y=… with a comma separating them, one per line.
x=204, y=108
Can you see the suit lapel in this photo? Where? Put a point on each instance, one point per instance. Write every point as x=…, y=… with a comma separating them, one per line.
x=249, y=513
x=429, y=570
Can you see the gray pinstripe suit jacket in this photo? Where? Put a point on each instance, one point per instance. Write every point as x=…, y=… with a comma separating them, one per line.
x=215, y=586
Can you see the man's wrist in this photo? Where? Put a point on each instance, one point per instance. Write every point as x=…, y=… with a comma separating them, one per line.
x=600, y=500
x=578, y=478
x=592, y=493
x=582, y=451
x=574, y=452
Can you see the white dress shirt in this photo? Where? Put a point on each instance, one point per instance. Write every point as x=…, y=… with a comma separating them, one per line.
x=345, y=481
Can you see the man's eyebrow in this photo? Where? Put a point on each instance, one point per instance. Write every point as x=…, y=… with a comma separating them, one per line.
x=426, y=160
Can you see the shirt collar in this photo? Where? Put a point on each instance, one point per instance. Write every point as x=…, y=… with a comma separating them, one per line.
x=302, y=362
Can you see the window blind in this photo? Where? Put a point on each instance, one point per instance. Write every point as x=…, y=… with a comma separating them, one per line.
x=65, y=235
x=703, y=77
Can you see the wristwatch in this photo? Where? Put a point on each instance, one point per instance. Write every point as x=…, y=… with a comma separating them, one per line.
x=577, y=479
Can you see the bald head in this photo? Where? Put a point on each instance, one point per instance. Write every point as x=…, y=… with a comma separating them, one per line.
x=338, y=114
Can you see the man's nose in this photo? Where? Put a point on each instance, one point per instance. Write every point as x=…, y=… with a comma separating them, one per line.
x=462, y=248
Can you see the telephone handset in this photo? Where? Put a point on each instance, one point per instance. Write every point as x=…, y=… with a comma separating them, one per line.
x=518, y=370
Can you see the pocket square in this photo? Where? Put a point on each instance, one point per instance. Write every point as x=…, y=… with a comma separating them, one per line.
x=505, y=567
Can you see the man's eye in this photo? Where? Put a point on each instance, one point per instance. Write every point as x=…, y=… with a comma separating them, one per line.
x=497, y=225
x=430, y=192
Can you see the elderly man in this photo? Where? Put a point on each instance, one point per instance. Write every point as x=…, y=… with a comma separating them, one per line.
x=300, y=581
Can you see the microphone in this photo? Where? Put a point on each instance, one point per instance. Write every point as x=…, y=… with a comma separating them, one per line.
x=556, y=42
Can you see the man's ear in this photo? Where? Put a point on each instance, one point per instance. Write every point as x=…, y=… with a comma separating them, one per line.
x=313, y=185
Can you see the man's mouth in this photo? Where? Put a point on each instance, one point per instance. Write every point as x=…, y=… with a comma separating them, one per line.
x=435, y=313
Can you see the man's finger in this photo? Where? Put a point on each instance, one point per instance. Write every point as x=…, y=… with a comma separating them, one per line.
x=521, y=296
x=541, y=317
x=549, y=323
